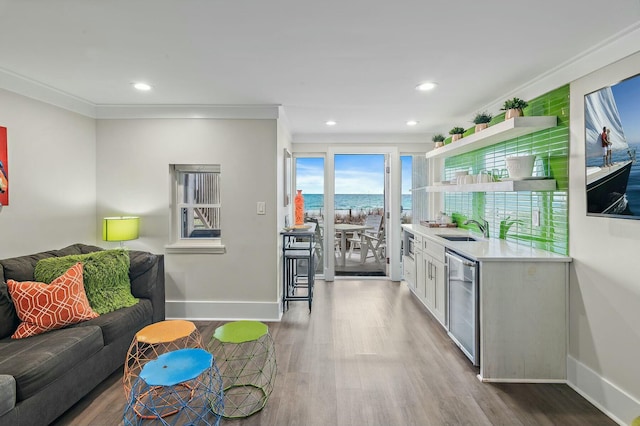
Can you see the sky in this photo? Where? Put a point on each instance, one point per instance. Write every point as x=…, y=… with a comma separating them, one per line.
x=355, y=174
x=627, y=96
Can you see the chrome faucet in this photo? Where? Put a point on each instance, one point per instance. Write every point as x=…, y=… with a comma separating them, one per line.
x=483, y=227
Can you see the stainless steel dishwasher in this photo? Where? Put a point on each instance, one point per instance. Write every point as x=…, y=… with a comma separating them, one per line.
x=463, y=321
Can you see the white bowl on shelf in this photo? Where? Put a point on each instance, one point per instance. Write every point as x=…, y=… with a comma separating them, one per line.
x=520, y=166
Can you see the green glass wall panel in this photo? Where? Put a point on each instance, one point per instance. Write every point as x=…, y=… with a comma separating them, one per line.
x=510, y=213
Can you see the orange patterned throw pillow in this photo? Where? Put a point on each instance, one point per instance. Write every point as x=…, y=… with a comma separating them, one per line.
x=43, y=307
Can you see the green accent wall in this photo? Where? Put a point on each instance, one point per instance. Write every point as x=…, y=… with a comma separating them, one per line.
x=510, y=213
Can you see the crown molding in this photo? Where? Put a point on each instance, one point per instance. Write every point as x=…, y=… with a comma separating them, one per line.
x=613, y=49
x=16, y=83
x=246, y=112
x=29, y=88
x=361, y=138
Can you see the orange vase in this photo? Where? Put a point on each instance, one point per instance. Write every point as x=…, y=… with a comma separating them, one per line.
x=299, y=204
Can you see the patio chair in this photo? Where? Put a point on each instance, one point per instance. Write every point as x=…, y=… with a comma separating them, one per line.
x=372, y=239
x=355, y=242
x=318, y=242
x=374, y=245
x=336, y=245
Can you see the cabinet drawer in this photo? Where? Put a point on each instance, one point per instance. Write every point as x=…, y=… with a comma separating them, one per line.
x=417, y=241
x=409, y=270
x=434, y=249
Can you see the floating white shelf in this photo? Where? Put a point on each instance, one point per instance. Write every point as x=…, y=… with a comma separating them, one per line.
x=508, y=129
x=505, y=186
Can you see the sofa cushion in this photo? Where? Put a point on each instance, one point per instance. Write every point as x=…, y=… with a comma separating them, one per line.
x=43, y=307
x=7, y=393
x=21, y=268
x=36, y=361
x=142, y=283
x=116, y=324
x=8, y=317
x=106, y=277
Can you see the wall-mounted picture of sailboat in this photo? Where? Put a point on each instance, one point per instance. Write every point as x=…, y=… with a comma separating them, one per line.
x=4, y=168
x=612, y=137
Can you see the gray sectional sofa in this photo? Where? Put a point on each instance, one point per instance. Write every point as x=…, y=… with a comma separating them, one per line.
x=44, y=375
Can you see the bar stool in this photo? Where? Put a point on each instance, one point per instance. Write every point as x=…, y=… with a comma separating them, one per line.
x=181, y=387
x=298, y=266
x=246, y=357
x=155, y=340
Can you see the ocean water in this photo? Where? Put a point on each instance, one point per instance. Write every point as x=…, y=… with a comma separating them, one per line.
x=633, y=186
x=354, y=202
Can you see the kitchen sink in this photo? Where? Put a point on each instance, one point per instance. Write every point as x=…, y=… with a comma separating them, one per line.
x=456, y=237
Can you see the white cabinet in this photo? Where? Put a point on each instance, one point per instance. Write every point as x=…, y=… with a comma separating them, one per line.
x=430, y=284
x=435, y=281
x=409, y=271
x=420, y=274
x=419, y=259
x=523, y=321
x=522, y=304
x=439, y=291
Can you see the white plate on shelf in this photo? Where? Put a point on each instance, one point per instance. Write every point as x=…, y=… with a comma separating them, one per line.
x=527, y=178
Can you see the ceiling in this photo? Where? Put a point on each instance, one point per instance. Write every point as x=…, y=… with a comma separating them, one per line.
x=353, y=61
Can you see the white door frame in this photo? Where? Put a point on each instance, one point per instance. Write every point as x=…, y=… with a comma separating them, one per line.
x=392, y=225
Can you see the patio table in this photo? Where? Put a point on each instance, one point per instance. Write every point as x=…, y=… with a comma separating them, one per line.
x=343, y=228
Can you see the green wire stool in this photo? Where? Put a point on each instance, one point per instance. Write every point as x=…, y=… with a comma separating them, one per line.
x=246, y=358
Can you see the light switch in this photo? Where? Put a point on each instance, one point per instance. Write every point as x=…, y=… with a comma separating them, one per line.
x=262, y=208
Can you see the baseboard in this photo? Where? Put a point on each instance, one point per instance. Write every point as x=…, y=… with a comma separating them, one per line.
x=223, y=311
x=606, y=396
x=484, y=380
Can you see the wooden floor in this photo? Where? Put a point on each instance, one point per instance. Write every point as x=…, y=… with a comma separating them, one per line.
x=353, y=265
x=370, y=354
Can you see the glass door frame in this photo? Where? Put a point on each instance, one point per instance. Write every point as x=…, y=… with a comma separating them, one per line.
x=325, y=241
x=392, y=215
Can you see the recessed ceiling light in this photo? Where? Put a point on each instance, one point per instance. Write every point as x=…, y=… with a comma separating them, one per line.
x=331, y=123
x=423, y=87
x=142, y=86
x=412, y=123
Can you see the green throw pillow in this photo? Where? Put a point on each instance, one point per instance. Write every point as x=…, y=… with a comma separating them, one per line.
x=106, y=277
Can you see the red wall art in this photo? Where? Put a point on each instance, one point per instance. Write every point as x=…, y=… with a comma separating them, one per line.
x=4, y=168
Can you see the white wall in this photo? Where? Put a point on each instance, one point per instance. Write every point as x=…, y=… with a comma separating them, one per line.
x=133, y=178
x=284, y=142
x=604, y=343
x=52, y=199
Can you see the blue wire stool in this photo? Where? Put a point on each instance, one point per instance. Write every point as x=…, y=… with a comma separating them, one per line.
x=182, y=387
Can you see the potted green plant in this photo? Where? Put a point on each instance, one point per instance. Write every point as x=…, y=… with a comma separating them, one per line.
x=481, y=120
x=513, y=108
x=456, y=133
x=438, y=139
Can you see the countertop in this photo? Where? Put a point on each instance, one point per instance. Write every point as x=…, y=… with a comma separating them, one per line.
x=492, y=249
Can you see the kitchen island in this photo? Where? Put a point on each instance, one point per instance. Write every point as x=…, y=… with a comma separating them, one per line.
x=521, y=300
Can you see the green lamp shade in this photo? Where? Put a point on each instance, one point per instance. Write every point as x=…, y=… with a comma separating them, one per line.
x=120, y=228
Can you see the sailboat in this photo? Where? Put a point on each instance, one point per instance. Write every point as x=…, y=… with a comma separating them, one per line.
x=606, y=185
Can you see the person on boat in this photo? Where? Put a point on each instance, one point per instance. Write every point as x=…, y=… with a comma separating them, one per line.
x=609, y=143
x=4, y=184
x=604, y=138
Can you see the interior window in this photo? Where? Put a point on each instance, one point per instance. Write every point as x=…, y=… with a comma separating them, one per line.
x=196, y=212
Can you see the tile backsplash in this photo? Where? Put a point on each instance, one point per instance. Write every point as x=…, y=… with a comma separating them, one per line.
x=537, y=219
